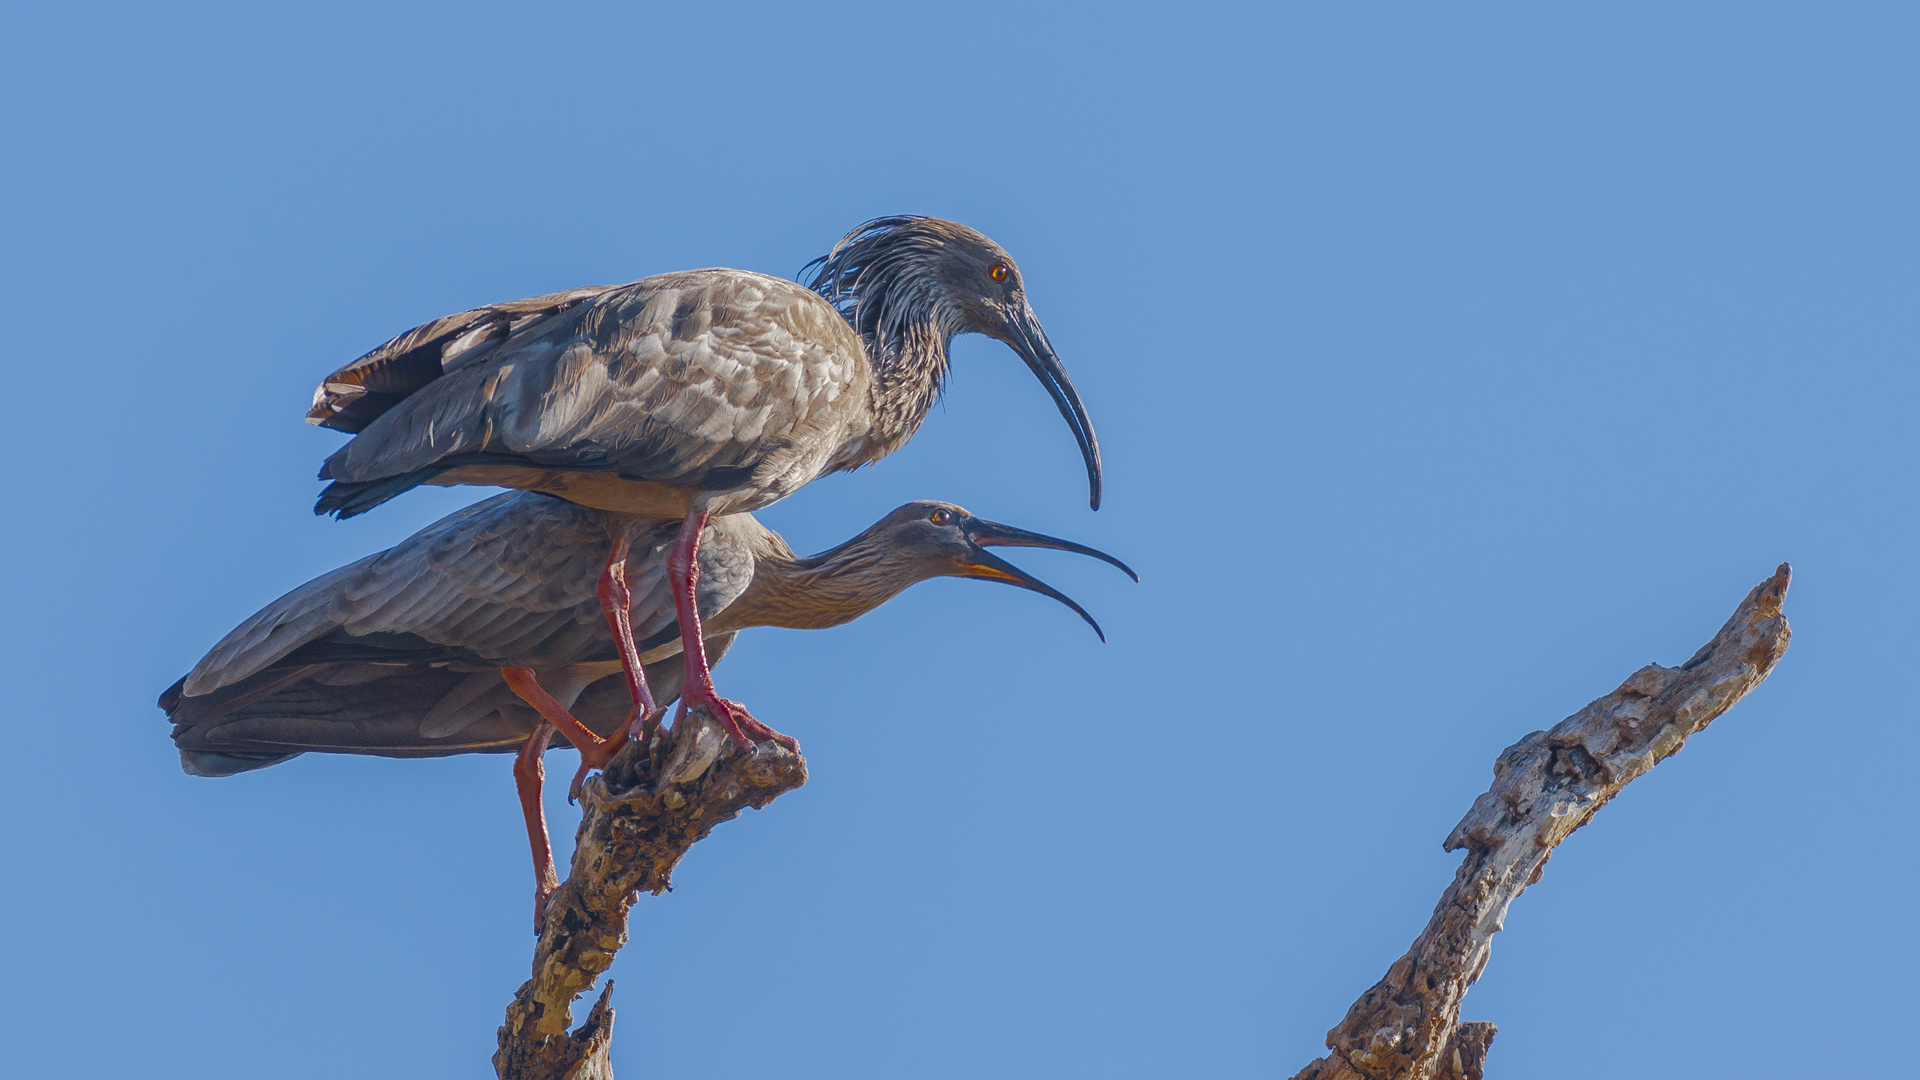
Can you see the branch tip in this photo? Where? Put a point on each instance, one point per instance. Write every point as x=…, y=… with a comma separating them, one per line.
x=1547, y=785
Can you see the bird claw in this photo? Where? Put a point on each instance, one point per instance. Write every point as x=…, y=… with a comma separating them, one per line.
x=590, y=759
x=744, y=729
x=599, y=757
x=540, y=898
x=761, y=731
x=579, y=777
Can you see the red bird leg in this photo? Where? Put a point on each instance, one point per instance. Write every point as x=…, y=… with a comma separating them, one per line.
x=595, y=751
x=529, y=773
x=617, y=603
x=683, y=570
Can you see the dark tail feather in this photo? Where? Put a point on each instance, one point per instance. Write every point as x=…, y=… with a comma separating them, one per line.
x=170, y=700
x=344, y=500
x=209, y=763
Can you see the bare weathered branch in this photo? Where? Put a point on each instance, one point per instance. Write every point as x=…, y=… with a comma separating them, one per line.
x=1465, y=1057
x=1545, y=786
x=637, y=820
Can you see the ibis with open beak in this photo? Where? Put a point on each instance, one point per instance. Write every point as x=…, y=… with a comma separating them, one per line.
x=484, y=633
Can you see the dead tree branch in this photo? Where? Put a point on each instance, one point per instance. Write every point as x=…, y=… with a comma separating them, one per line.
x=1545, y=786
x=637, y=820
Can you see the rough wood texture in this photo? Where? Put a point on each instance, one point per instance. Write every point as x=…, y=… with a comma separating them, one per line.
x=637, y=820
x=1466, y=1054
x=1545, y=786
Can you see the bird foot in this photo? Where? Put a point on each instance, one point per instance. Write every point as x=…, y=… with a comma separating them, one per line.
x=540, y=897
x=740, y=724
x=758, y=731
x=642, y=727
x=591, y=758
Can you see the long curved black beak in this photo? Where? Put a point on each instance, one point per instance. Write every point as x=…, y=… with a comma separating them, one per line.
x=1027, y=338
x=993, y=534
x=987, y=566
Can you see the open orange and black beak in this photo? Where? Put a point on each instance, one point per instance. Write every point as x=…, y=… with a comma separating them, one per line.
x=983, y=564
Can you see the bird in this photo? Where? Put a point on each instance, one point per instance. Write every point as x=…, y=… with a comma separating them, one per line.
x=482, y=633
x=686, y=395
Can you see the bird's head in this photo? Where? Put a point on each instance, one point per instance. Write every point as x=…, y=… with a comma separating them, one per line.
x=910, y=284
x=935, y=539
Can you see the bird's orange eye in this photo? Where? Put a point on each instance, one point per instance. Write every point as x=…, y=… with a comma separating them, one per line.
x=998, y=271
x=941, y=517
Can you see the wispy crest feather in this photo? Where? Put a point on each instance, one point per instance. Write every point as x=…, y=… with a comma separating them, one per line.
x=882, y=277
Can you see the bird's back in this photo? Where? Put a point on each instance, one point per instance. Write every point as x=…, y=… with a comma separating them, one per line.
x=400, y=652
x=378, y=710
x=698, y=380
x=508, y=577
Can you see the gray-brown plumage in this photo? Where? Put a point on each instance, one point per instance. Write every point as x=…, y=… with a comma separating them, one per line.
x=482, y=632
x=720, y=388
x=400, y=654
x=704, y=392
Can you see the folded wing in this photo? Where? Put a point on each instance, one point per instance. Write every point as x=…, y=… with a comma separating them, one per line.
x=690, y=379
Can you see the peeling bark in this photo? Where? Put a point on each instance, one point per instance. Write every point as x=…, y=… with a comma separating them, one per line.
x=637, y=820
x=1406, y=1027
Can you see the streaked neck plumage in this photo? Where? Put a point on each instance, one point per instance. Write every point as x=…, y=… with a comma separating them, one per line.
x=886, y=283
x=818, y=591
x=908, y=377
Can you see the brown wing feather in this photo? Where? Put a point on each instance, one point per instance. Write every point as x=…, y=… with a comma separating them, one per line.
x=396, y=654
x=381, y=715
x=356, y=395
x=510, y=576
x=666, y=379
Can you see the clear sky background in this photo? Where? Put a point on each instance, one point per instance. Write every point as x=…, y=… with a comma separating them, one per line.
x=1451, y=362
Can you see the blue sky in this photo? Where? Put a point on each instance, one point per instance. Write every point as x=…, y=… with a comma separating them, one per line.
x=1450, y=361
